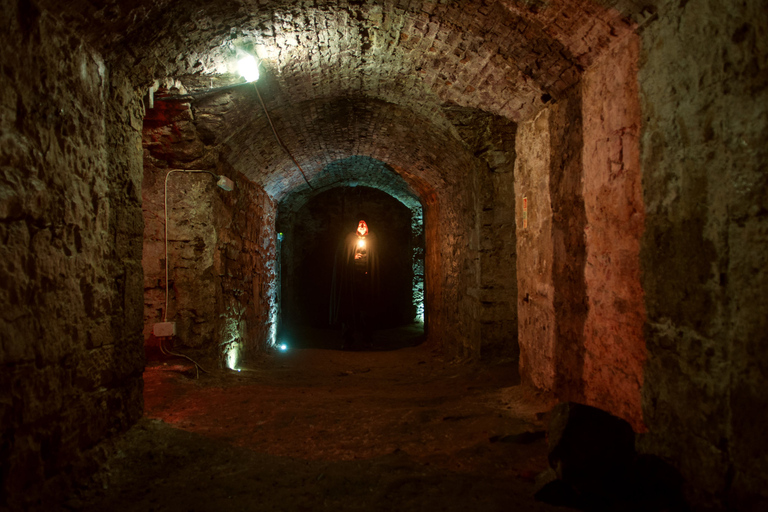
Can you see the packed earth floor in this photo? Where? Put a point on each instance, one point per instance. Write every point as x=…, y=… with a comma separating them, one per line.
x=322, y=429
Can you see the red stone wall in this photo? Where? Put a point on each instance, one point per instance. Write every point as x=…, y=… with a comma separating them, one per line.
x=579, y=295
x=550, y=249
x=535, y=253
x=566, y=183
x=613, y=333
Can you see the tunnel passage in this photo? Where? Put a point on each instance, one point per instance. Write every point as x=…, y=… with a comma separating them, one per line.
x=313, y=260
x=667, y=152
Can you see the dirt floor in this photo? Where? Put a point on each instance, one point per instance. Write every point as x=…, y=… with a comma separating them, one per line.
x=322, y=429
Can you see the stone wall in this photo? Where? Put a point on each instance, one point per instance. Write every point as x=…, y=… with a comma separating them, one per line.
x=580, y=300
x=704, y=148
x=497, y=291
x=70, y=274
x=246, y=258
x=614, y=345
x=489, y=277
x=192, y=240
x=566, y=183
x=221, y=245
x=550, y=270
x=535, y=253
x=452, y=270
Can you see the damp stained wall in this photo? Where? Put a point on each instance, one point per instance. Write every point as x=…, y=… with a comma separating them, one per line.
x=70, y=257
x=614, y=344
x=580, y=299
x=221, y=245
x=704, y=253
x=535, y=252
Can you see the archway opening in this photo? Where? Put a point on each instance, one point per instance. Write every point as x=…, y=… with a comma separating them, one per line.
x=340, y=289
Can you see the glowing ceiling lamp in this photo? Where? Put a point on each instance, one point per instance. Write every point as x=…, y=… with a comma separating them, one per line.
x=249, y=68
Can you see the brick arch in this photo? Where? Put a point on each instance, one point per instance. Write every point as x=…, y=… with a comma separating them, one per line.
x=351, y=172
x=427, y=153
x=320, y=133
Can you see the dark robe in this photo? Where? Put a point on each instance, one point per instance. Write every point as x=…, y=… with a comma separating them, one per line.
x=355, y=285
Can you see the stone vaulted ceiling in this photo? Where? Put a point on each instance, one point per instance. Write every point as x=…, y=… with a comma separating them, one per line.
x=348, y=78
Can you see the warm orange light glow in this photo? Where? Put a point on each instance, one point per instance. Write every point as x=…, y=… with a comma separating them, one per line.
x=361, y=243
x=362, y=228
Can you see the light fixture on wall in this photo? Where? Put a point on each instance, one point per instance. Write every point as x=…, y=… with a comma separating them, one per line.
x=248, y=67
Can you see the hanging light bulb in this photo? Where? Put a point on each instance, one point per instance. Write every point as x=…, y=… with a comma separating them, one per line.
x=249, y=68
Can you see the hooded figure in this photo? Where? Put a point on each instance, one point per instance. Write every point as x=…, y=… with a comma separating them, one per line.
x=355, y=284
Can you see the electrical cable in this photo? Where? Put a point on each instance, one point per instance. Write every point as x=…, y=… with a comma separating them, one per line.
x=171, y=353
x=277, y=137
x=199, y=94
x=192, y=95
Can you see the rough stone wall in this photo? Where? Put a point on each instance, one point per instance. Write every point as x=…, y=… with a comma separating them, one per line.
x=495, y=219
x=434, y=324
x=221, y=248
x=614, y=345
x=704, y=148
x=535, y=253
x=498, y=266
x=456, y=241
x=70, y=274
x=551, y=250
x=192, y=240
x=491, y=237
x=586, y=163
x=246, y=258
x=566, y=184
x=170, y=142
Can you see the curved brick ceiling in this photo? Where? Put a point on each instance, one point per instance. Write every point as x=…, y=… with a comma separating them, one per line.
x=380, y=64
x=322, y=133
x=354, y=171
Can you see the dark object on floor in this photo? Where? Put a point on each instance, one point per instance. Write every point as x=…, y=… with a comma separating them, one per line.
x=594, y=466
x=591, y=449
x=656, y=485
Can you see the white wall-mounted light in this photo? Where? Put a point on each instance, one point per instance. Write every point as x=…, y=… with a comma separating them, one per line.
x=249, y=68
x=225, y=183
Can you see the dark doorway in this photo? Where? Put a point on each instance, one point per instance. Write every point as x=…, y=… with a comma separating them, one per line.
x=312, y=252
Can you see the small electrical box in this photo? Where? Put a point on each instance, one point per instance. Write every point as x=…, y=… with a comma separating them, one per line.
x=225, y=183
x=164, y=329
